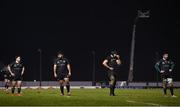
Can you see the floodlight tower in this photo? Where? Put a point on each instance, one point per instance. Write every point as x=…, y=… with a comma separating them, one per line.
x=140, y=14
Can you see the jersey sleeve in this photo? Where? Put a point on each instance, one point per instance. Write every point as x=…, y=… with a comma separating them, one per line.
x=172, y=65
x=67, y=61
x=157, y=66
x=108, y=58
x=11, y=64
x=55, y=62
x=22, y=65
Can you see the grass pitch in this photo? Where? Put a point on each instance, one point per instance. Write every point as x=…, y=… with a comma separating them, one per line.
x=90, y=97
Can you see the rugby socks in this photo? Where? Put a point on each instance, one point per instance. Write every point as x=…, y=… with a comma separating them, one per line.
x=111, y=89
x=62, y=89
x=19, y=90
x=171, y=90
x=68, y=88
x=6, y=86
x=13, y=89
x=165, y=91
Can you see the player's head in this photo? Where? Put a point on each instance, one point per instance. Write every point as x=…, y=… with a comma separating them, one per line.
x=18, y=58
x=60, y=54
x=165, y=56
x=113, y=53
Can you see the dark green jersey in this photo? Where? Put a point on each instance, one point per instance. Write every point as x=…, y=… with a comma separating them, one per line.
x=62, y=65
x=16, y=68
x=112, y=62
x=165, y=65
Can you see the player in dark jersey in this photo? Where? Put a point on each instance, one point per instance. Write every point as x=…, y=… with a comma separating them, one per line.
x=7, y=77
x=16, y=69
x=112, y=63
x=62, y=71
x=165, y=66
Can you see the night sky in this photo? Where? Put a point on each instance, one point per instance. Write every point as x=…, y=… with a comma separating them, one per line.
x=81, y=27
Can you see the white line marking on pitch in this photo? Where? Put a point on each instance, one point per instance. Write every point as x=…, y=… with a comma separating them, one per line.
x=68, y=96
x=153, y=104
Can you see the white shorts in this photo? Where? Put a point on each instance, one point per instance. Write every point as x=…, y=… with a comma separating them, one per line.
x=169, y=80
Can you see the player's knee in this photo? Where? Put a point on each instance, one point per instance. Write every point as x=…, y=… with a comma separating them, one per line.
x=61, y=82
x=171, y=85
x=112, y=82
x=13, y=84
x=67, y=83
x=164, y=86
x=112, y=78
x=18, y=85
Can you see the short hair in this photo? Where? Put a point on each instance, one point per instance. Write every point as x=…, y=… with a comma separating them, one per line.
x=165, y=53
x=113, y=52
x=60, y=52
x=17, y=56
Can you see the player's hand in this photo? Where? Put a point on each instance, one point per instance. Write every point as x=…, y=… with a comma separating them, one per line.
x=118, y=56
x=69, y=74
x=111, y=68
x=161, y=71
x=55, y=75
x=170, y=70
x=12, y=74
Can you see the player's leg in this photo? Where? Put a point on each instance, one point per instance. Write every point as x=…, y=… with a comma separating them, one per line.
x=111, y=84
x=9, y=82
x=171, y=89
x=164, y=84
x=19, y=82
x=13, y=86
x=171, y=86
x=61, y=83
x=114, y=85
x=60, y=78
x=6, y=83
x=67, y=83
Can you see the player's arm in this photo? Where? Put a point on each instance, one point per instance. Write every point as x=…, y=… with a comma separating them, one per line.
x=172, y=66
x=105, y=63
x=22, y=73
x=157, y=66
x=118, y=60
x=54, y=69
x=69, y=69
x=9, y=69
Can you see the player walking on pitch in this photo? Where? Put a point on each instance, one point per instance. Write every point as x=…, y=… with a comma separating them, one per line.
x=62, y=71
x=112, y=62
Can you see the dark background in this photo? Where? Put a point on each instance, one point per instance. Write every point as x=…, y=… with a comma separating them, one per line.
x=79, y=27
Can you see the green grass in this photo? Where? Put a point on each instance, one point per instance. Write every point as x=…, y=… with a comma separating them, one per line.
x=90, y=97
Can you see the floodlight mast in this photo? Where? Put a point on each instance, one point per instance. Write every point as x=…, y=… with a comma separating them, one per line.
x=140, y=14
